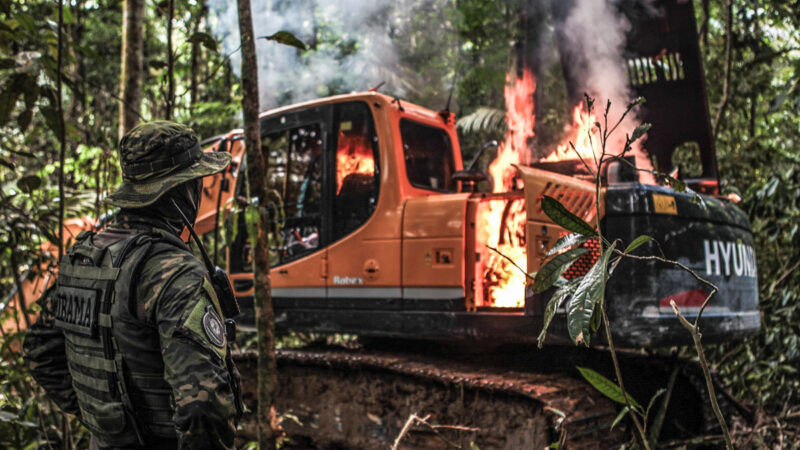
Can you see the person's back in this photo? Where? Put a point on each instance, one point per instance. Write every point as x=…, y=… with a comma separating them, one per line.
x=132, y=340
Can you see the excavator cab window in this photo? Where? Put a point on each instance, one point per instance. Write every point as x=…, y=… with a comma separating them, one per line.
x=429, y=156
x=356, y=190
x=295, y=173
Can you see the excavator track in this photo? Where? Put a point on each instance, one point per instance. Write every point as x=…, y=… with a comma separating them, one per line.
x=495, y=397
x=338, y=398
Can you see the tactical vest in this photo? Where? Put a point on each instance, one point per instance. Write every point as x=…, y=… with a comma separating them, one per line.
x=124, y=400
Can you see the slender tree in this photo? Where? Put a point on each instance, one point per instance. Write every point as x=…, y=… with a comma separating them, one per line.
x=170, y=63
x=61, y=136
x=257, y=184
x=131, y=76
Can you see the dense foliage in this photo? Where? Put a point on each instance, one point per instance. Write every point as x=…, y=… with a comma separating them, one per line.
x=464, y=45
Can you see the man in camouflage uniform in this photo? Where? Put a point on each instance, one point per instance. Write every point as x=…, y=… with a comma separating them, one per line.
x=132, y=339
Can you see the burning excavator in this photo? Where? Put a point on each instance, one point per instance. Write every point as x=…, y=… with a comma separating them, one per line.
x=380, y=231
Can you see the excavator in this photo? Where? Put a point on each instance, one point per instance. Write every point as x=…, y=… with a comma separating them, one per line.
x=379, y=230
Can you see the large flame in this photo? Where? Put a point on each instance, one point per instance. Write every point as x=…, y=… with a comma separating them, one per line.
x=585, y=138
x=501, y=222
x=353, y=156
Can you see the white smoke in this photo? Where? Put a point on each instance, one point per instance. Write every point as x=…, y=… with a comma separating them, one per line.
x=287, y=75
x=595, y=31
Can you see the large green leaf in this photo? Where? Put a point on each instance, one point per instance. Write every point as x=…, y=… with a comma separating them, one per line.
x=552, y=306
x=491, y=120
x=581, y=307
x=286, y=38
x=607, y=387
x=559, y=214
x=567, y=241
x=550, y=272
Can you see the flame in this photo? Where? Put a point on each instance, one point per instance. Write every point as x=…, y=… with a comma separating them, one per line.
x=353, y=156
x=585, y=139
x=501, y=222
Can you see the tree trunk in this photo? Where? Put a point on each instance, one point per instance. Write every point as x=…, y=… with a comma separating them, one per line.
x=170, y=64
x=256, y=176
x=131, y=76
x=61, y=136
x=195, y=58
x=726, y=78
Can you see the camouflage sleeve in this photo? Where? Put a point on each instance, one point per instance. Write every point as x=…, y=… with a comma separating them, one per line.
x=45, y=356
x=193, y=349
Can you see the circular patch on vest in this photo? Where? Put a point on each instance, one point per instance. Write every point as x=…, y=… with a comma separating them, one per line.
x=212, y=325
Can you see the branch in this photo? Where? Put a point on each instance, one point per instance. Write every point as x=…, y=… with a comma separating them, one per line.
x=696, y=336
x=511, y=261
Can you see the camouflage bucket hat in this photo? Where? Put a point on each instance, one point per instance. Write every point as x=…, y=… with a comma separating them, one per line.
x=157, y=156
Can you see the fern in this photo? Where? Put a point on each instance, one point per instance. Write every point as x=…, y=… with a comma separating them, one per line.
x=484, y=119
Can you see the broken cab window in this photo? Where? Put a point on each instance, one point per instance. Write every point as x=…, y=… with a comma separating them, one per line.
x=356, y=189
x=429, y=156
x=295, y=175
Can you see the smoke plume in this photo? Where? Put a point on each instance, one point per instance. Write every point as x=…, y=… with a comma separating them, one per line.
x=594, y=35
x=351, y=42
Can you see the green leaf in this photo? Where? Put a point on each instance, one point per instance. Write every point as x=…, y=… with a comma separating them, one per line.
x=552, y=306
x=567, y=241
x=638, y=242
x=7, y=63
x=640, y=131
x=52, y=119
x=286, y=38
x=606, y=387
x=68, y=17
x=205, y=39
x=619, y=417
x=594, y=323
x=653, y=400
x=561, y=216
x=31, y=90
x=550, y=272
x=26, y=21
x=581, y=307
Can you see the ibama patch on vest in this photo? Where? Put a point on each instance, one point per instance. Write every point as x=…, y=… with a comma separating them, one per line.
x=75, y=309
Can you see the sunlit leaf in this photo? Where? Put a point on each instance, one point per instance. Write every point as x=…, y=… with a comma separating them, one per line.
x=26, y=21
x=580, y=308
x=606, y=387
x=620, y=416
x=550, y=272
x=640, y=131
x=552, y=306
x=286, y=38
x=567, y=241
x=559, y=214
x=483, y=119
